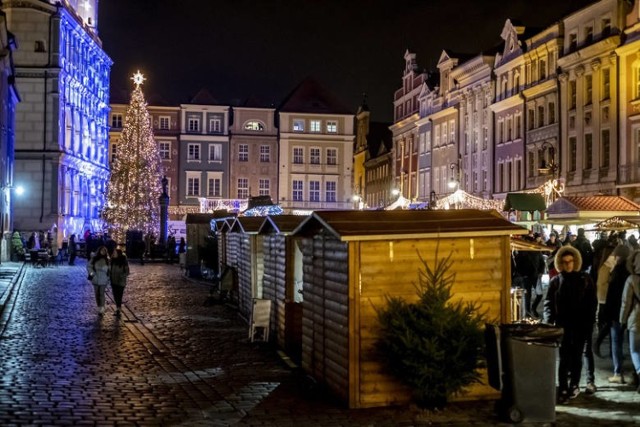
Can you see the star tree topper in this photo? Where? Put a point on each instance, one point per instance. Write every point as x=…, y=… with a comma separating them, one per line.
x=138, y=78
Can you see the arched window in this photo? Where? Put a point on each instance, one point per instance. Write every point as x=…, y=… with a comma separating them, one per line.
x=636, y=79
x=254, y=125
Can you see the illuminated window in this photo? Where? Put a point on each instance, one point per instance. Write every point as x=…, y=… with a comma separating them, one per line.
x=264, y=187
x=636, y=79
x=265, y=154
x=314, y=126
x=298, y=125
x=297, y=188
x=314, y=156
x=332, y=126
x=332, y=156
x=243, y=188
x=213, y=187
x=314, y=191
x=215, y=152
x=254, y=125
x=193, y=152
x=298, y=155
x=164, y=147
x=114, y=151
x=164, y=122
x=243, y=153
x=116, y=121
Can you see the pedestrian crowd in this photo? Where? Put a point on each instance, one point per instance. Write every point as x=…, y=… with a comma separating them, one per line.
x=106, y=268
x=589, y=285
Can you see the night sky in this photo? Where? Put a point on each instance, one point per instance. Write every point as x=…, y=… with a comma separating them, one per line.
x=264, y=48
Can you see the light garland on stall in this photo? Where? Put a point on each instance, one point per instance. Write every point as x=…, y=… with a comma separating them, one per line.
x=463, y=200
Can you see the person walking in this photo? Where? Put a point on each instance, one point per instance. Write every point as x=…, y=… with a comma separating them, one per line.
x=99, y=275
x=630, y=312
x=73, y=249
x=570, y=304
x=118, y=275
x=610, y=311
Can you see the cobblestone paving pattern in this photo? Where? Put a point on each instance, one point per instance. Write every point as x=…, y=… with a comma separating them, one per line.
x=176, y=358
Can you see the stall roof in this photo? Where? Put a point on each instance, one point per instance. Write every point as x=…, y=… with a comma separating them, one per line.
x=247, y=224
x=589, y=209
x=408, y=224
x=221, y=224
x=284, y=224
x=519, y=244
x=527, y=202
x=619, y=223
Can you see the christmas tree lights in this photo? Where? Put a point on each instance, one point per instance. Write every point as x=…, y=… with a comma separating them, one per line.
x=134, y=186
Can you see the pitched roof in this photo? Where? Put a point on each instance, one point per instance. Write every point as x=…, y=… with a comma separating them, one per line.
x=247, y=224
x=311, y=97
x=284, y=224
x=204, y=97
x=569, y=204
x=408, y=224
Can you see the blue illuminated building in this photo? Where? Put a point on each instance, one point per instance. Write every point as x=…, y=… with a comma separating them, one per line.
x=61, y=143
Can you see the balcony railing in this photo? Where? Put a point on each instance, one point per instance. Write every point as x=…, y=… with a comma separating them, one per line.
x=629, y=173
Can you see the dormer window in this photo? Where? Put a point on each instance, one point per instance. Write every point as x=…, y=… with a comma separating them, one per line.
x=39, y=46
x=254, y=126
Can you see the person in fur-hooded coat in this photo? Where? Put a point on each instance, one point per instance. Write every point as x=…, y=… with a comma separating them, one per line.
x=571, y=304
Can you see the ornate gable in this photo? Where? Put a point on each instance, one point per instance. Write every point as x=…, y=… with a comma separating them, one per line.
x=512, y=46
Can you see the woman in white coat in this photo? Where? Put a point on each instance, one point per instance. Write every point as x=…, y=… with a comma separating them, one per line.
x=99, y=274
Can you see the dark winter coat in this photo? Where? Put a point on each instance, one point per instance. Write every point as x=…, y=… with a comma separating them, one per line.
x=617, y=279
x=586, y=251
x=571, y=298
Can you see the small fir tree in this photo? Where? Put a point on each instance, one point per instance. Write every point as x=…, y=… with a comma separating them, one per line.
x=434, y=345
x=134, y=186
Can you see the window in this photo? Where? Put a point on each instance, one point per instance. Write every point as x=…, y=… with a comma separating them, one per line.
x=332, y=126
x=164, y=122
x=264, y=189
x=265, y=154
x=531, y=119
x=588, y=151
x=114, y=151
x=243, y=188
x=213, y=187
x=330, y=191
x=540, y=116
x=165, y=150
x=588, y=34
x=588, y=88
x=314, y=156
x=194, y=125
x=606, y=83
x=552, y=113
x=573, y=42
x=193, y=186
x=444, y=133
x=332, y=156
x=606, y=27
x=314, y=191
x=215, y=152
x=314, y=126
x=636, y=80
x=116, y=120
x=243, y=153
x=254, y=125
x=298, y=125
x=573, y=154
x=298, y=155
x=215, y=125
x=39, y=46
x=605, y=156
x=543, y=69
x=297, y=190
x=572, y=94
x=452, y=131
x=193, y=152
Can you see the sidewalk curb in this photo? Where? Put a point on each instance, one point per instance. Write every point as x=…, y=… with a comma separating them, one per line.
x=6, y=297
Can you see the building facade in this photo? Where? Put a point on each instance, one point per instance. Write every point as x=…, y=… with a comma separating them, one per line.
x=61, y=144
x=8, y=99
x=316, y=150
x=254, y=153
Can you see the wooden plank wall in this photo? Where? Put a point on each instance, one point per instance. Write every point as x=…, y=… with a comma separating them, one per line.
x=325, y=326
x=482, y=274
x=273, y=282
x=233, y=247
x=246, y=268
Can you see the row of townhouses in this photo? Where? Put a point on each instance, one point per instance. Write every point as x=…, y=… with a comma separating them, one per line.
x=561, y=103
x=217, y=156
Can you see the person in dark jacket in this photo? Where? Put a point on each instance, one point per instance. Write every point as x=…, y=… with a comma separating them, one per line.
x=530, y=265
x=586, y=250
x=571, y=304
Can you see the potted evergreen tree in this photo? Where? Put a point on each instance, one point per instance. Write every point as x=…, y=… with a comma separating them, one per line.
x=434, y=345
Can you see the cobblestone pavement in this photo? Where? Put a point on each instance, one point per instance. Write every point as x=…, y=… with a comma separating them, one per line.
x=175, y=358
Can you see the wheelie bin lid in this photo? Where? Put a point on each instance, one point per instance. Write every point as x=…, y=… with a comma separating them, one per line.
x=532, y=332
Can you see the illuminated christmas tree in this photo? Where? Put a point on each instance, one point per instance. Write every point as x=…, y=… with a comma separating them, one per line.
x=136, y=172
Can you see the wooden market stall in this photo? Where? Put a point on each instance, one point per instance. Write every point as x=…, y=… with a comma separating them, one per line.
x=249, y=261
x=282, y=280
x=354, y=259
x=199, y=237
x=582, y=210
